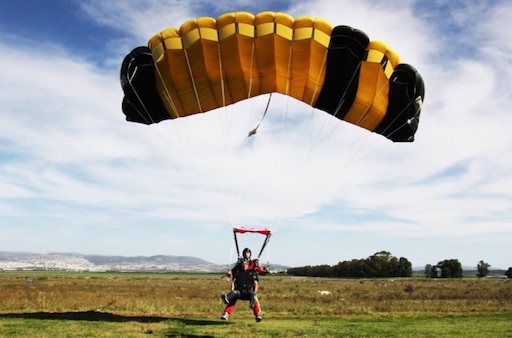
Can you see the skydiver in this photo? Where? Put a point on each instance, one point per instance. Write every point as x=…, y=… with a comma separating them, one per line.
x=244, y=286
x=254, y=264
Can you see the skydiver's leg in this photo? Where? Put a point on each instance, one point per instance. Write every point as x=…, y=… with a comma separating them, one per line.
x=251, y=297
x=256, y=308
x=233, y=296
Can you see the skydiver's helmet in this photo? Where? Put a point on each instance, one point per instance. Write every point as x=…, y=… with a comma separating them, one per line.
x=244, y=253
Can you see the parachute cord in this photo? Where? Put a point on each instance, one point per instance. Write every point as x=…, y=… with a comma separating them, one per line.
x=193, y=82
x=253, y=131
x=365, y=114
x=144, y=117
x=221, y=78
x=342, y=99
x=338, y=107
x=316, y=91
x=167, y=93
x=317, y=84
x=398, y=128
x=222, y=133
x=285, y=115
x=398, y=115
x=250, y=72
x=148, y=115
x=288, y=77
x=280, y=221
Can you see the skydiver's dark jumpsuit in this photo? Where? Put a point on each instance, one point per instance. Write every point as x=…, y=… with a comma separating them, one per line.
x=244, y=288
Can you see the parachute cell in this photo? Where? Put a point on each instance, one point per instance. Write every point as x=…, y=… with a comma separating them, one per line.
x=210, y=63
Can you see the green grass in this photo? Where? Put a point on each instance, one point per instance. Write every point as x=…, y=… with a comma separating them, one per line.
x=59, y=304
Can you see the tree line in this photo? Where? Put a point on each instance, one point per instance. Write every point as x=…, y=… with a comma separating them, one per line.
x=381, y=264
x=384, y=264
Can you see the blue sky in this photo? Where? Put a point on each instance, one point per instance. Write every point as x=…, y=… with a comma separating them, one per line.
x=76, y=177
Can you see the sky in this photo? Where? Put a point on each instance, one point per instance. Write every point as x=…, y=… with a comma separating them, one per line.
x=76, y=177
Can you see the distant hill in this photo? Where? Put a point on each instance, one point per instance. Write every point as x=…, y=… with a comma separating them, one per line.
x=82, y=262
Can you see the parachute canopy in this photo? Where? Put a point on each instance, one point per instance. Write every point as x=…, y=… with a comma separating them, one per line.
x=209, y=63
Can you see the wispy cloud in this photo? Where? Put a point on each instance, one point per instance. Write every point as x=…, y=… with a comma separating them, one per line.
x=72, y=168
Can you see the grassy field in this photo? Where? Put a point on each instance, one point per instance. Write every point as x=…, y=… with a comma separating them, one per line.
x=53, y=304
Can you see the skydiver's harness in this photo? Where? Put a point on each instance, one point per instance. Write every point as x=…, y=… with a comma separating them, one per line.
x=244, y=280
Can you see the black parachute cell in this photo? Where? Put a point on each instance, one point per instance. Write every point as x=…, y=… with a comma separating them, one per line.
x=406, y=95
x=346, y=50
x=141, y=102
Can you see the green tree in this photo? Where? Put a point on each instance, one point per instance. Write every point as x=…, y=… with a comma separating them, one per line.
x=508, y=273
x=379, y=264
x=450, y=268
x=404, y=267
x=428, y=270
x=483, y=269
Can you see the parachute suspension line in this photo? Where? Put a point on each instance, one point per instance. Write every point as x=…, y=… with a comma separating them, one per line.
x=342, y=99
x=354, y=158
x=238, y=201
x=171, y=104
x=234, y=205
x=352, y=151
x=361, y=144
x=138, y=97
x=315, y=141
x=144, y=116
x=412, y=101
x=280, y=207
x=167, y=94
x=288, y=80
x=249, y=92
x=317, y=84
x=288, y=72
x=193, y=82
x=223, y=89
x=316, y=92
x=365, y=114
x=280, y=221
x=301, y=175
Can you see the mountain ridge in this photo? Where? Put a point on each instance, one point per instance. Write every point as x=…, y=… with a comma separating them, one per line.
x=96, y=262
x=71, y=261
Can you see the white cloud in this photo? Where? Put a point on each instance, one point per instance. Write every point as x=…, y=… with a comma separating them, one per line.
x=72, y=164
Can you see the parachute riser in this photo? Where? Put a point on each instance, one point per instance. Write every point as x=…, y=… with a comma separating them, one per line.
x=236, y=244
x=267, y=239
